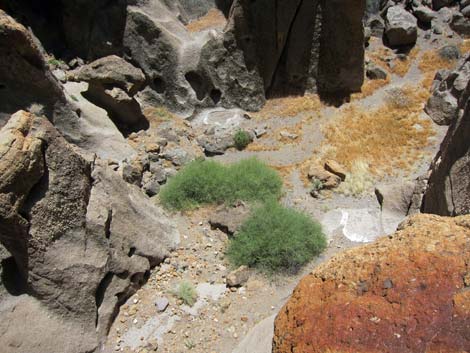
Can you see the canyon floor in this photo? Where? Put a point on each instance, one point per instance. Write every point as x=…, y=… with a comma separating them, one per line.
x=293, y=137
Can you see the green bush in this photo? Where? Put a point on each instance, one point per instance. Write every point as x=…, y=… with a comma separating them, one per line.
x=207, y=182
x=241, y=139
x=187, y=293
x=276, y=239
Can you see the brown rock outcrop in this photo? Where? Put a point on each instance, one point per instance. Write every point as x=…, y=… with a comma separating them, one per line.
x=406, y=293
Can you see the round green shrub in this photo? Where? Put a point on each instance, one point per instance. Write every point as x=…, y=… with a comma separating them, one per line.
x=208, y=182
x=276, y=239
x=241, y=139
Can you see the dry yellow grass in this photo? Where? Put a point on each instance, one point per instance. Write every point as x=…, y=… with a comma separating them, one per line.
x=401, y=67
x=465, y=46
x=213, y=19
x=369, y=87
x=430, y=62
x=289, y=106
x=388, y=138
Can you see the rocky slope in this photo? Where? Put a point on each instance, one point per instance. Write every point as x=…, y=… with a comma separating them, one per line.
x=408, y=292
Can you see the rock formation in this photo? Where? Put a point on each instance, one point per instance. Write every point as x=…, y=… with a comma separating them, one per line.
x=79, y=247
x=448, y=189
x=405, y=293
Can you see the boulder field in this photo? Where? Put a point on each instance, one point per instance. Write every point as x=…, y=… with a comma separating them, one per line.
x=408, y=292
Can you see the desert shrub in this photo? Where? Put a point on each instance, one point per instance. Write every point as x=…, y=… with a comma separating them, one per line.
x=358, y=181
x=187, y=293
x=276, y=239
x=208, y=182
x=241, y=139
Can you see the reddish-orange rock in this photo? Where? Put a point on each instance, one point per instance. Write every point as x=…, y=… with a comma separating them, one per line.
x=406, y=293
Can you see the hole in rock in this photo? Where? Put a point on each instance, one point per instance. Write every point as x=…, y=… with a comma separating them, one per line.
x=12, y=279
x=197, y=84
x=215, y=95
x=159, y=85
x=131, y=252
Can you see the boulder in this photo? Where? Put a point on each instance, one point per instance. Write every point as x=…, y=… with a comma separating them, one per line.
x=401, y=27
x=424, y=14
x=328, y=180
x=229, y=218
x=448, y=96
x=238, y=277
x=82, y=239
x=375, y=72
x=460, y=24
x=111, y=71
x=404, y=293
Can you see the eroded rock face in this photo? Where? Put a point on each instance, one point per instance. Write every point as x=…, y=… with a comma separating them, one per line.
x=24, y=76
x=83, y=239
x=405, y=293
x=448, y=190
x=289, y=41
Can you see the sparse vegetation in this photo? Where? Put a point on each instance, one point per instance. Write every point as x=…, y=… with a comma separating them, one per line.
x=208, y=182
x=358, y=180
x=431, y=61
x=187, y=293
x=55, y=62
x=386, y=139
x=276, y=239
x=241, y=139
x=401, y=66
x=289, y=106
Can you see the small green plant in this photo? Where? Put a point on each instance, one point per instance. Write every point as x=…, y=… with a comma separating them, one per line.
x=189, y=344
x=276, y=239
x=74, y=98
x=187, y=293
x=55, y=62
x=317, y=184
x=241, y=139
x=209, y=182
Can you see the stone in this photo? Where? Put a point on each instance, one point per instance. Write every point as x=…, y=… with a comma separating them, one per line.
x=442, y=107
x=375, y=72
x=328, y=180
x=229, y=218
x=424, y=14
x=162, y=304
x=376, y=25
x=150, y=184
x=395, y=201
x=448, y=97
x=132, y=172
x=460, y=24
x=401, y=27
x=238, y=277
x=438, y=4
x=450, y=52
x=336, y=168
x=111, y=71
x=394, y=278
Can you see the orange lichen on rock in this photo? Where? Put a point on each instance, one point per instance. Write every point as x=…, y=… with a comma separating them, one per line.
x=405, y=293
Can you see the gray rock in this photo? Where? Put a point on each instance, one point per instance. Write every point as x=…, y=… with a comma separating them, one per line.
x=81, y=237
x=438, y=4
x=450, y=52
x=238, y=277
x=460, y=24
x=177, y=156
x=132, y=172
x=111, y=71
x=442, y=107
x=375, y=72
x=150, y=184
x=259, y=338
x=162, y=303
x=395, y=202
x=424, y=14
x=401, y=27
x=229, y=218
x=376, y=25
